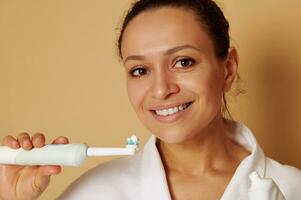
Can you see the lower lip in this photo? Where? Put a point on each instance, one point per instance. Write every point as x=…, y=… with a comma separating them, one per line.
x=171, y=118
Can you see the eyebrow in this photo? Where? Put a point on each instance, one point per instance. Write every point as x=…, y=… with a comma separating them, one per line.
x=167, y=52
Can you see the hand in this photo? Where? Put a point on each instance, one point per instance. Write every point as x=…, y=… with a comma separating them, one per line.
x=26, y=182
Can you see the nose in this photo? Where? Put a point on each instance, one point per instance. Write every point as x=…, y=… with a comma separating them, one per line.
x=164, y=85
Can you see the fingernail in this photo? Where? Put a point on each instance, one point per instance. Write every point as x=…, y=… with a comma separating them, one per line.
x=27, y=144
x=15, y=144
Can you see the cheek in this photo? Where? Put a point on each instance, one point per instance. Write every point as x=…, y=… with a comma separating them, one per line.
x=136, y=92
x=206, y=86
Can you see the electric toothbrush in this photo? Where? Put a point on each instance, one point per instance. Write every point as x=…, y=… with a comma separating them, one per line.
x=62, y=154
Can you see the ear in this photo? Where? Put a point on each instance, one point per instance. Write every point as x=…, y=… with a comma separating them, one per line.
x=230, y=72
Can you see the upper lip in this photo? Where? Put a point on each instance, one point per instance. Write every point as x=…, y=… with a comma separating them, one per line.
x=168, y=105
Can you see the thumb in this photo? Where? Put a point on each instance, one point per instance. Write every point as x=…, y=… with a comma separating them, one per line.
x=43, y=177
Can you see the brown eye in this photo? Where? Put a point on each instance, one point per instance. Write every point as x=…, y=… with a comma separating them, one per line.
x=137, y=72
x=184, y=62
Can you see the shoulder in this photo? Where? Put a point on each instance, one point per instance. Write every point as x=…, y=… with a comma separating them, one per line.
x=288, y=173
x=111, y=180
x=288, y=178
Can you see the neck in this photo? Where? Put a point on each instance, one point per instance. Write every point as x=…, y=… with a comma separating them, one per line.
x=209, y=151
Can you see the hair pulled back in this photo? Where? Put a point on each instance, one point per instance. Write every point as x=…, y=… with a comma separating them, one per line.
x=210, y=17
x=208, y=12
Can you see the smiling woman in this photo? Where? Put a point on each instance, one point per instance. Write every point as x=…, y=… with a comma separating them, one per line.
x=165, y=83
x=179, y=66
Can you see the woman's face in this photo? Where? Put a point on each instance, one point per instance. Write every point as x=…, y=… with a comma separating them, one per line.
x=174, y=80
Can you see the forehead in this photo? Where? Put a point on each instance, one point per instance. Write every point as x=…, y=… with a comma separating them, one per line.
x=163, y=28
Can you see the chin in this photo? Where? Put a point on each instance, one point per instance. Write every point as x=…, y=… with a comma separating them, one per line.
x=173, y=137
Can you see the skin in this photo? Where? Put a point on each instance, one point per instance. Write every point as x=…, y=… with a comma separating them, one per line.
x=177, y=66
x=24, y=182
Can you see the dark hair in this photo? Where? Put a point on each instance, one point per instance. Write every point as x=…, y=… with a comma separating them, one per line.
x=208, y=12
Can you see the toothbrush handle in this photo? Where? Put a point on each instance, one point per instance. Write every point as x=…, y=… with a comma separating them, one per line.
x=53, y=154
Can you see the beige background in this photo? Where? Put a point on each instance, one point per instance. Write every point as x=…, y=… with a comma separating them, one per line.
x=60, y=75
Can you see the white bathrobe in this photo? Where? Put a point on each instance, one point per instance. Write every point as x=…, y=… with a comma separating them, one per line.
x=142, y=177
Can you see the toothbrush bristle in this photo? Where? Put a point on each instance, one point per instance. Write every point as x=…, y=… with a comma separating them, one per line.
x=133, y=141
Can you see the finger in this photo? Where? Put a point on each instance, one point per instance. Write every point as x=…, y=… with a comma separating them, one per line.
x=43, y=176
x=24, y=141
x=61, y=140
x=11, y=142
x=38, y=140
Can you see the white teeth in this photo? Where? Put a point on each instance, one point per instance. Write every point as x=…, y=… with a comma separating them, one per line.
x=176, y=109
x=171, y=111
x=181, y=107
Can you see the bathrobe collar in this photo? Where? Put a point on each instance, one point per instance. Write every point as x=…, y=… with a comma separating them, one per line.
x=154, y=183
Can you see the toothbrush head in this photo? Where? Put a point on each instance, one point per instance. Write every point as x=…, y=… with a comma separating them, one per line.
x=132, y=142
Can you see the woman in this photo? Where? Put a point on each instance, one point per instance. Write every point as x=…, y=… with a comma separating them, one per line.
x=179, y=66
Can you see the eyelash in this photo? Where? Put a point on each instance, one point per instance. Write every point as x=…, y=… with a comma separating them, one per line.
x=142, y=71
x=190, y=60
x=136, y=69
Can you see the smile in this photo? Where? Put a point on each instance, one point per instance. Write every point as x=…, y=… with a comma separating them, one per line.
x=173, y=110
